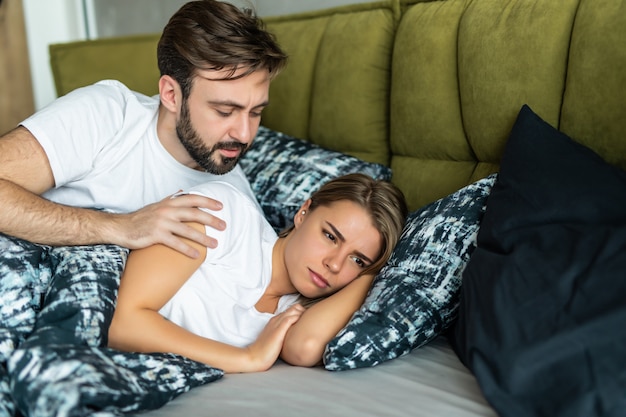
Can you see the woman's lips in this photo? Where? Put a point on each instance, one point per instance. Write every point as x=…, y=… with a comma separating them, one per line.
x=318, y=280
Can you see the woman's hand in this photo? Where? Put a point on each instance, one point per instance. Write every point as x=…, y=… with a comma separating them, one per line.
x=264, y=352
x=305, y=341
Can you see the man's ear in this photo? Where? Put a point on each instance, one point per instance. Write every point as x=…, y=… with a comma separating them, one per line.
x=170, y=93
x=302, y=213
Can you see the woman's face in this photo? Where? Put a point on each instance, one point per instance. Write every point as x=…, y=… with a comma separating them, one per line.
x=329, y=247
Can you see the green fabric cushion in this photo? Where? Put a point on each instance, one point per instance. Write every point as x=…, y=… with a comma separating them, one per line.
x=461, y=70
x=594, y=108
x=129, y=59
x=334, y=92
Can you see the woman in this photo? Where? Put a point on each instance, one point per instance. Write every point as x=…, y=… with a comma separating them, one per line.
x=236, y=306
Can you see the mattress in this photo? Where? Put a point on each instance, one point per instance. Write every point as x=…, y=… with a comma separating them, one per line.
x=430, y=381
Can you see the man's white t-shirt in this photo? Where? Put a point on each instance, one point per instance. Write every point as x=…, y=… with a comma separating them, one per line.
x=218, y=300
x=102, y=145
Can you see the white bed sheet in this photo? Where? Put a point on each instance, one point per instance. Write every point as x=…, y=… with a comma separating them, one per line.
x=430, y=381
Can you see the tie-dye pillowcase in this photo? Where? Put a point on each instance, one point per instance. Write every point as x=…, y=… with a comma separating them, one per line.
x=284, y=171
x=415, y=297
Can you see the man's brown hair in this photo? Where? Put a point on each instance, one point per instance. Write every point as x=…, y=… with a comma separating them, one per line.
x=214, y=35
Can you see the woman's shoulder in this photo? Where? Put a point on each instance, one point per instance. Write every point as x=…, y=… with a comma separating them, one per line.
x=225, y=192
x=247, y=230
x=236, y=204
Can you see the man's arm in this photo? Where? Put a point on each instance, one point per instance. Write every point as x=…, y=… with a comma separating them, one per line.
x=306, y=339
x=25, y=173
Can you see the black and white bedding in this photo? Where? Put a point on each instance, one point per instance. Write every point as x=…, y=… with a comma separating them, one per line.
x=57, y=304
x=55, y=308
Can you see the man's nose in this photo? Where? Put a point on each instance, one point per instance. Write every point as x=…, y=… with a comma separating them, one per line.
x=242, y=129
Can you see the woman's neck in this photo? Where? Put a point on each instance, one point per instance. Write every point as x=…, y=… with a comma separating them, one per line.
x=280, y=283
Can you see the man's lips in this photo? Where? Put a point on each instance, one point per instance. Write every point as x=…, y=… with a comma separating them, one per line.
x=230, y=153
x=318, y=280
x=231, y=149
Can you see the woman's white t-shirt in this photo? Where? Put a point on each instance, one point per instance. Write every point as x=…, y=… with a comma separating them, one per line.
x=102, y=145
x=218, y=301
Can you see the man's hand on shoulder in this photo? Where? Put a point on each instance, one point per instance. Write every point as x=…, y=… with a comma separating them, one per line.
x=166, y=222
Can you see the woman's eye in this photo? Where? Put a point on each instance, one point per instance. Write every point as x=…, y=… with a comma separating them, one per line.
x=359, y=261
x=330, y=236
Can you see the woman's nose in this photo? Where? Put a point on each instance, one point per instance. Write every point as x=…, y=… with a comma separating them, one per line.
x=333, y=262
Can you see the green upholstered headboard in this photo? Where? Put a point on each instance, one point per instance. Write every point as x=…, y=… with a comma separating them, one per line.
x=462, y=69
x=431, y=88
x=129, y=59
x=335, y=89
x=443, y=82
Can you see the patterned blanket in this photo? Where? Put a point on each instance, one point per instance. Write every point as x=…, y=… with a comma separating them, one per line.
x=56, y=304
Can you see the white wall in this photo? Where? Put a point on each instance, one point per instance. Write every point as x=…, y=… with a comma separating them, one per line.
x=277, y=7
x=47, y=22
x=57, y=21
x=106, y=18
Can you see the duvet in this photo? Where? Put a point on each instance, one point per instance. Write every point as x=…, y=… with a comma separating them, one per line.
x=56, y=304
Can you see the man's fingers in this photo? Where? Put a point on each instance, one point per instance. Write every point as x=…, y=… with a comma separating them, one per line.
x=180, y=246
x=195, y=200
x=196, y=235
x=170, y=221
x=193, y=214
x=210, y=220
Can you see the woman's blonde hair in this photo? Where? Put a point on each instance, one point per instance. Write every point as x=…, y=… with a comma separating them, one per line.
x=384, y=202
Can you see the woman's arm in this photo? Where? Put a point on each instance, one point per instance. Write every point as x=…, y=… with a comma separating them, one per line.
x=306, y=340
x=152, y=276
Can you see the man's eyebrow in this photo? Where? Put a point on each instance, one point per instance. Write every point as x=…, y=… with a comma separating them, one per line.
x=337, y=233
x=232, y=104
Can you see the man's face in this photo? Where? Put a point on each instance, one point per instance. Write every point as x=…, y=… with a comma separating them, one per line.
x=220, y=118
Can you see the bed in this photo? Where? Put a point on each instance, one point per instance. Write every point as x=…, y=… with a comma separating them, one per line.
x=428, y=382
x=440, y=97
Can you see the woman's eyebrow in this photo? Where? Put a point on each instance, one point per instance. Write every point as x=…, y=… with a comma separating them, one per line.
x=337, y=233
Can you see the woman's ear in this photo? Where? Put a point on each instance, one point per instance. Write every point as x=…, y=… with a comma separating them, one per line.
x=301, y=214
x=170, y=93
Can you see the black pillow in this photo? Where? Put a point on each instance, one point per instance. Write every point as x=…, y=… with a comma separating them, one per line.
x=542, y=315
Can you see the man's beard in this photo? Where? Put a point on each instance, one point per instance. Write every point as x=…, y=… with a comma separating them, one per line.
x=202, y=154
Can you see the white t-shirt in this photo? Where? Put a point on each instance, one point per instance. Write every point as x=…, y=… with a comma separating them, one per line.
x=102, y=145
x=218, y=301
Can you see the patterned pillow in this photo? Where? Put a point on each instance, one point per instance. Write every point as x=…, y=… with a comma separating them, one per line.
x=87, y=381
x=53, y=359
x=415, y=297
x=284, y=171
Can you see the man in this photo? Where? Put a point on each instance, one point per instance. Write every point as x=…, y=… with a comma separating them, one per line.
x=108, y=148
x=98, y=165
